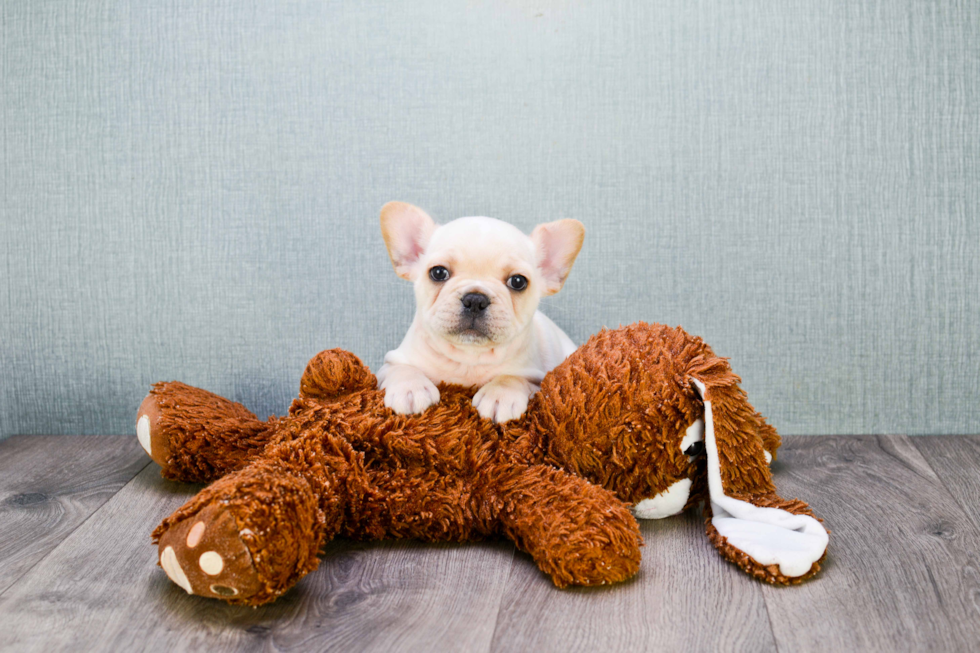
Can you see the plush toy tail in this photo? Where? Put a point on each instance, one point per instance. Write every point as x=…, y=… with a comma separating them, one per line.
x=333, y=373
x=773, y=539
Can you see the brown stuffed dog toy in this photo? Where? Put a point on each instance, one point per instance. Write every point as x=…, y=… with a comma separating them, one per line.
x=642, y=420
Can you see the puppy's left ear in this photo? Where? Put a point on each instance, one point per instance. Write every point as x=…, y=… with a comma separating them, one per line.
x=556, y=244
x=406, y=230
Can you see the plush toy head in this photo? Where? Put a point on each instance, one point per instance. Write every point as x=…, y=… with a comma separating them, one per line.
x=634, y=409
x=642, y=420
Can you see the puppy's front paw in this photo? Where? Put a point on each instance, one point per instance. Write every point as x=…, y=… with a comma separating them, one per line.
x=503, y=399
x=411, y=398
x=408, y=391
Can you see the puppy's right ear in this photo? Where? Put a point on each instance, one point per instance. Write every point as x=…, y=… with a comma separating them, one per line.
x=406, y=230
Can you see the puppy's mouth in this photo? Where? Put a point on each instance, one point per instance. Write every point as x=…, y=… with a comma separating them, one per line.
x=471, y=330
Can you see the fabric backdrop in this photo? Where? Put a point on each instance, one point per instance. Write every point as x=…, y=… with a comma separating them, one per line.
x=191, y=190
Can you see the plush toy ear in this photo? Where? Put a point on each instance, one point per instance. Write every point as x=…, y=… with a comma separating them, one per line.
x=406, y=230
x=556, y=245
x=770, y=537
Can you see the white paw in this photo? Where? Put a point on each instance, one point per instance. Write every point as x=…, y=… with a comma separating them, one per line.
x=411, y=395
x=503, y=399
x=143, y=432
x=669, y=502
x=211, y=563
x=168, y=560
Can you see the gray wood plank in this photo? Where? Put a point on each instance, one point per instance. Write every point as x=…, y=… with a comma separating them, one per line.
x=903, y=572
x=956, y=460
x=400, y=596
x=685, y=598
x=103, y=591
x=51, y=484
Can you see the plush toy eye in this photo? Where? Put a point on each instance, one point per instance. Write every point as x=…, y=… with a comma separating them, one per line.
x=696, y=449
x=517, y=282
x=439, y=274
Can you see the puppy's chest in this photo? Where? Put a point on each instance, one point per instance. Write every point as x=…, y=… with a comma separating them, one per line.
x=470, y=375
x=475, y=369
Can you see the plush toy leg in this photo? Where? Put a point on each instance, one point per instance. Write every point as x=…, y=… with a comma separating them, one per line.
x=577, y=532
x=253, y=534
x=775, y=540
x=197, y=436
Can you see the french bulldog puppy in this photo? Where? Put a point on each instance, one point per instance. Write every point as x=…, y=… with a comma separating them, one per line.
x=478, y=282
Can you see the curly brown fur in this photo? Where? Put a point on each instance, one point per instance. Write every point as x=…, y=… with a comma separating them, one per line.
x=577, y=532
x=198, y=436
x=614, y=416
x=333, y=373
x=603, y=433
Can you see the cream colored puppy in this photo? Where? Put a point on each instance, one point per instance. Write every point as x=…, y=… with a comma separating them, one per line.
x=477, y=282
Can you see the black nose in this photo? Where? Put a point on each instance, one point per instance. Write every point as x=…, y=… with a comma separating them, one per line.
x=696, y=449
x=475, y=302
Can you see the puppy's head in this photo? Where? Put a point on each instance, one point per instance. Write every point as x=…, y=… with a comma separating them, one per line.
x=478, y=281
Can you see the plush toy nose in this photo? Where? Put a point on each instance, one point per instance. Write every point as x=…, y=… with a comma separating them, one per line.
x=475, y=302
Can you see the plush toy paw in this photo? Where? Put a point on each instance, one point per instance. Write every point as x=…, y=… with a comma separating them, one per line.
x=601, y=554
x=150, y=434
x=407, y=390
x=249, y=536
x=594, y=565
x=503, y=399
x=205, y=555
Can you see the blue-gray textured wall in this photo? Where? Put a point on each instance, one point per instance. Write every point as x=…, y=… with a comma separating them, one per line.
x=191, y=189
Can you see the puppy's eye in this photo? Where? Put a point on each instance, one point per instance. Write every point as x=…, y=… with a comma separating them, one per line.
x=439, y=274
x=696, y=449
x=517, y=282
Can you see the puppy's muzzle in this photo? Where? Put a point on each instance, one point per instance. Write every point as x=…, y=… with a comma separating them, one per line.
x=474, y=303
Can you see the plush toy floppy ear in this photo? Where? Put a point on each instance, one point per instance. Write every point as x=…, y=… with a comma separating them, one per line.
x=406, y=230
x=769, y=542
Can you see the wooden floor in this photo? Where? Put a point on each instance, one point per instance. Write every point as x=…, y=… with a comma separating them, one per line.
x=77, y=570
